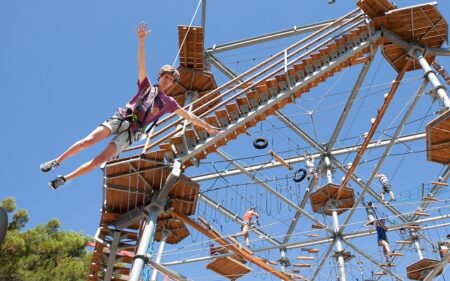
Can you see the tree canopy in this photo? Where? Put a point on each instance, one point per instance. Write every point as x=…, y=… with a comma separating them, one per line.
x=42, y=253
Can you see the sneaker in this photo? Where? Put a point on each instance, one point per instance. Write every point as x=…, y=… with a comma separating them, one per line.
x=393, y=200
x=54, y=184
x=50, y=165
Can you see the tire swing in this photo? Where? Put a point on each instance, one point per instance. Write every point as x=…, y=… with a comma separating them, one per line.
x=260, y=143
x=299, y=175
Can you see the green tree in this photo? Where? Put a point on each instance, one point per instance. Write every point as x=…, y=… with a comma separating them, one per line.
x=42, y=253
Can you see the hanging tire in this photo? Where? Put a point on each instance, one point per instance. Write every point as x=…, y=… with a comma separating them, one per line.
x=299, y=175
x=260, y=143
x=3, y=224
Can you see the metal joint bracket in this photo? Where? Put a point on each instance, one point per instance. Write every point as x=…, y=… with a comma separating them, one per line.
x=425, y=75
x=408, y=47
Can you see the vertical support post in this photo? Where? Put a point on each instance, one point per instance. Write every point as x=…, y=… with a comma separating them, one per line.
x=417, y=244
x=328, y=163
x=283, y=257
x=431, y=76
x=162, y=245
x=146, y=238
x=338, y=240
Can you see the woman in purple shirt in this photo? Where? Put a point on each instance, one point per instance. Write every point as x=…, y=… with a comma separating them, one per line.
x=128, y=123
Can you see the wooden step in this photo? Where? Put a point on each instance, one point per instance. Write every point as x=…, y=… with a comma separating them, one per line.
x=302, y=265
x=395, y=254
x=222, y=118
x=253, y=99
x=439, y=183
x=422, y=214
x=430, y=199
x=404, y=242
x=313, y=250
x=305, y=258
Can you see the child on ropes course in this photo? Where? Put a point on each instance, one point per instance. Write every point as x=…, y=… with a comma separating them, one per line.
x=128, y=124
x=312, y=171
x=382, y=239
x=247, y=218
x=386, y=186
x=371, y=213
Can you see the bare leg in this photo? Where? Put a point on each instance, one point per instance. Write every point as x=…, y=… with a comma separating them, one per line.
x=382, y=196
x=106, y=154
x=392, y=195
x=243, y=232
x=95, y=136
x=247, y=240
x=386, y=249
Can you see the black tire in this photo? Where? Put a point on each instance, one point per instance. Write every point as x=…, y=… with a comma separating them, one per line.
x=260, y=143
x=3, y=224
x=299, y=175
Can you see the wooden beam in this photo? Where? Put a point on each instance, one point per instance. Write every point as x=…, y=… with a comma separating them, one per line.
x=281, y=160
x=230, y=246
x=374, y=127
x=439, y=183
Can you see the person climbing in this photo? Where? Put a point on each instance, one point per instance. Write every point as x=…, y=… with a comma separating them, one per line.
x=386, y=186
x=382, y=239
x=371, y=213
x=311, y=168
x=247, y=221
x=129, y=123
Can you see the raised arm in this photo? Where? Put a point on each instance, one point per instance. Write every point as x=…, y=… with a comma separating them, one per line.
x=197, y=121
x=142, y=33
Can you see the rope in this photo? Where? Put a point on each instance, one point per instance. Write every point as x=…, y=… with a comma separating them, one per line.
x=185, y=36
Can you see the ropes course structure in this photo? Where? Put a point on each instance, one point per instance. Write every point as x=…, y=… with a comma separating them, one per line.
x=298, y=152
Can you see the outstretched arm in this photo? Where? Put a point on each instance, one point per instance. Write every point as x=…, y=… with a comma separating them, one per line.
x=142, y=33
x=197, y=121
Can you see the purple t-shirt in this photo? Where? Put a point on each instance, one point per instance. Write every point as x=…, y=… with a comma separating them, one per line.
x=141, y=102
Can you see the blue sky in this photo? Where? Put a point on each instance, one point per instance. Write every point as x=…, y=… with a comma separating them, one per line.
x=65, y=66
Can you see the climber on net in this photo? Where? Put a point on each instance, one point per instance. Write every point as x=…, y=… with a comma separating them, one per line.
x=128, y=124
x=386, y=186
x=311, y=168
x=371, y=213
x=247, y=223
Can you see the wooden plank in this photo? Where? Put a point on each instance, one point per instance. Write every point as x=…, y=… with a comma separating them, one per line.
x=302, y=265
x=281, y=160
x=305, y=258
x=230, y=246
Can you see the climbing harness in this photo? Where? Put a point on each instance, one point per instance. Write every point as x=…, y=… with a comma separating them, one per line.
x=132, y=118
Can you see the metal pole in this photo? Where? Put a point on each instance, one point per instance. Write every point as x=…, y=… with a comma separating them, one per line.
x=283, y=257
x=338, y=240
x=431, y=76
x=160, y=253
x=417, y=244
x=146, y=238
x=329, y=176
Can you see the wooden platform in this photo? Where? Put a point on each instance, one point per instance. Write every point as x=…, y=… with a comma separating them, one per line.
x=191, y=44
x=375, y=8
x=421, y=24
x=193, y=76
x=438, y=139
x=130, y=182
x=194, y=80
x=320, y=200
x=228, y=267
x=419, y=270
x=176, y=229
